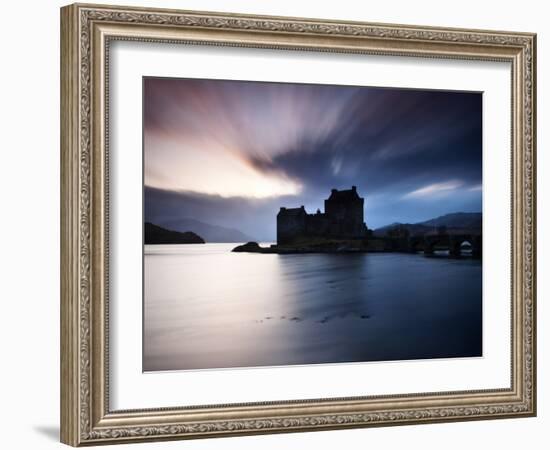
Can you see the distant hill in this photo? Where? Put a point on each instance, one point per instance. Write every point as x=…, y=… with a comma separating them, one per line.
x=456, y=220
x=158, y=235
x=211, y=233
x=460, y=221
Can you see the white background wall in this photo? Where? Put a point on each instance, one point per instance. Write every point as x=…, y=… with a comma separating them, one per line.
x=29, y=222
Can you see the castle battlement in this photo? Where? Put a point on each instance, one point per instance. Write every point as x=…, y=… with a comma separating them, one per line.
x=342, y=219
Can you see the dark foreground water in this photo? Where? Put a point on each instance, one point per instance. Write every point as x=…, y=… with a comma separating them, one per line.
x=206, y=307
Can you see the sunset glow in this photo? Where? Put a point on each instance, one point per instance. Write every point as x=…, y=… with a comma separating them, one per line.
x=231, y=153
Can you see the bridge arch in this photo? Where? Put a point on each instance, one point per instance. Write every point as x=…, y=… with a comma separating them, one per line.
x=438, y=242
x=417, y=245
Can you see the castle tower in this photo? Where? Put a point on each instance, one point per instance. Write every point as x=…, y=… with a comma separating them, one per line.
x=344, y=210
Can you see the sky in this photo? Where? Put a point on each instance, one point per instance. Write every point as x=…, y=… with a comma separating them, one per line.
x=231, y=153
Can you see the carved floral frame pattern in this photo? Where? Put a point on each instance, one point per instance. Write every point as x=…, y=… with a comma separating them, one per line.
x=85, y=415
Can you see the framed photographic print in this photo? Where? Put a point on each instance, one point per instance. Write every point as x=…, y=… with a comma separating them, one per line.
x=275, y=224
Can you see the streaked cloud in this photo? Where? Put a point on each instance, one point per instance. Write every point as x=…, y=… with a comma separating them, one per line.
x=221, y=137
x=434, y=189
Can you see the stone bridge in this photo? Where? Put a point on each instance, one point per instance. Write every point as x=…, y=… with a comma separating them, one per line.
x=451, y=241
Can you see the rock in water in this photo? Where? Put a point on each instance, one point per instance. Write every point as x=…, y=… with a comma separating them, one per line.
x=249, y=247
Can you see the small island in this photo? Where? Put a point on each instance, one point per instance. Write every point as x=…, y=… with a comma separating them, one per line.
x=341, y=229
x=155, y=235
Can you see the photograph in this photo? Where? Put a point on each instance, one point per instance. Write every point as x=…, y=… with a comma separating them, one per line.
x=293, y=224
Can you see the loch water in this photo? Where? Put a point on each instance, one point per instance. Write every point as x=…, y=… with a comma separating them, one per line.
x=206, y=307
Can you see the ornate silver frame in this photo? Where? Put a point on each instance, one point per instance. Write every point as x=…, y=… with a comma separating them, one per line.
x=86, y=31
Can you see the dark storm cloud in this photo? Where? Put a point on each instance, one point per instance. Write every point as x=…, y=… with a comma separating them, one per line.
x=414, y=138
x=242, y=149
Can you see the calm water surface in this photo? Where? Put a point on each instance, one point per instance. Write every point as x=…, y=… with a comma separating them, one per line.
x=206, y=307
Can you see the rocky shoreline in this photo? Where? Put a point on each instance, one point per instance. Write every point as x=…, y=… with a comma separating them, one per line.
x=427, y=245
x=320, y=247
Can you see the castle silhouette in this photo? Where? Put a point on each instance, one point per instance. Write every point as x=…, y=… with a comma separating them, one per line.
x=342, y=219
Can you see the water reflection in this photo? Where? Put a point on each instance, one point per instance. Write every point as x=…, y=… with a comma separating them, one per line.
x=206, y=307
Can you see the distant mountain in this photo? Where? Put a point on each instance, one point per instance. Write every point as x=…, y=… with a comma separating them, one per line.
x=454, y=221
x=413, y=228
x=210, y=233
x=158, y=235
